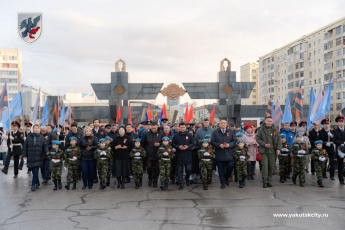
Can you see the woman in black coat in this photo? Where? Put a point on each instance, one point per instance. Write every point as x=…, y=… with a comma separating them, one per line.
x=120, y=147
x=35, y=149
x=195, y=158
x=89, y=144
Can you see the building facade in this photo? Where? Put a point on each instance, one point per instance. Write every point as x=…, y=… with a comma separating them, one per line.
x=79, y=97
x=309, y=61
x=29, y=96
x=250, y=73
x=10, y=70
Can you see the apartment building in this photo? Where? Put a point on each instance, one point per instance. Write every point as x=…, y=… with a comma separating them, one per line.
x=250, y=73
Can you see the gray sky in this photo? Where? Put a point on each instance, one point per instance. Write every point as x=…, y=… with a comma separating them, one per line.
x=161, y=41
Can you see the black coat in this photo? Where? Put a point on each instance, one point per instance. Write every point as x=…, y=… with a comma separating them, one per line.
x=219, y=138
x=112, y=134
x=314, y=136
x=121, y=154
x=195, y=158
x=88, y=146
x=324, y=138
x=183, y=156
x=35, y=150
x=17, y=143
x=71, y=134
x=148, y=143
x=338, y=138
x=100, y=134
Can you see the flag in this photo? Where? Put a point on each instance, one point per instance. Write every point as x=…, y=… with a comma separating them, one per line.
x=15, y=110
x=45, y=113
x=3, y=99
x=325, y=106
x=62, y=116
x=129, y=113
x=311, y=103
x=343, y=109
x=278, y=115
x=55, y=119
x=190, y=114
x=149, y=114
x=160, y=117
x=164, y=112
x=299, y=105
x=118, y=114
x=146, y=117
x=318, y=100
x=212, y=115
x=269, y=108
x=68, y=116
x=35, y=112
x=186, y=113
x=287, y=112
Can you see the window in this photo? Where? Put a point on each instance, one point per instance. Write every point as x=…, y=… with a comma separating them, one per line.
x=339, y=62
x=254, y=77
x=297, y=66
x=319, y=41
x=254, y=103
x=297, y=48
x=297, y=75
x=338, y=85
x=338, y=96
x=309, y=45
x=296, y=83
x=302, y=56
x=318, y=51
x=314, y=43
x=328, y=66
x=254, y=96
x=338, y=30
x=12, y=80
x=328, y=76
x=338, y=74
x=254, y=71
x=338, y=41
x=301, y=64
x=5, y=66
x=314, y=52
x=309, y=55
x=12, y=88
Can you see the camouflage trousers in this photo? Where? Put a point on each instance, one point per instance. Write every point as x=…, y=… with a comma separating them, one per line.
x=206, y=168
x=73, y=172
x=284, y=165
x=110, y=167
x=137, y=167
x=173, y=169
x=241, y=170
x=102, y=167
x=319, y=167
x=56, y=171
x=298, y=169
x=164, y=170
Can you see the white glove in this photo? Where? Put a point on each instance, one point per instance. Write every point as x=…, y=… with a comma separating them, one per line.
x=53, y=160
x=24, y=138
x=242, y=157
x=103, y=153
x=174, y=150
x=165, y=154
x=58, y=133
x=330, y=134
x=25, y=160
x=58, y=160
x=65, y=168
x=11, y=146
x=137, y=154
x=301, y=151
x=285, y=150
x=322, y=158
x=12, y=138
x=75, y=158
x=206, y=154
x=328, y=144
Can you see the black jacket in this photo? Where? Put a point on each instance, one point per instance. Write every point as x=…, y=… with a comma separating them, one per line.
x=100, y=134
x=183, y=156
x=314, y=136
x=17, y=143
x=324, y=138
x=338, y=138
x=112, y=134
x=219, y=138
x=148, y=143
x=121, y=154
x=35, y=149
x=71, y=134
x=88, y=146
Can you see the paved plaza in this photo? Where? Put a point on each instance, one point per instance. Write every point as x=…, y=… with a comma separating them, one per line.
x=191, y=208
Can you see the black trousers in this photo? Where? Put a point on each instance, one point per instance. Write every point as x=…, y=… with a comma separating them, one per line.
x=16, y=163
x=153, y=170
x=250, y=168
x=331, y=166
x=340, y=169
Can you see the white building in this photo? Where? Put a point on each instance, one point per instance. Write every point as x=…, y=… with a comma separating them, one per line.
x=10, y=70
x=29, y=96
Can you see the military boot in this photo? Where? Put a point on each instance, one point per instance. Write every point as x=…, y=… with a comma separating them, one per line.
x=319, y=182
x=205, y=186
x=140, y=182
x=103, y=186
x=74, y=186
x=60, y=185
x=240, y=184
x=122, y=183
x=282, y=180
x=118, y=182
x=137, y=185
x=55, y=185
x=108, y=181
x=244, y=182
x=67, y=185
x=166, y=185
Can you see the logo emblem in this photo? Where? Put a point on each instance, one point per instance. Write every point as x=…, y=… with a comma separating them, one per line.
x=29, y=26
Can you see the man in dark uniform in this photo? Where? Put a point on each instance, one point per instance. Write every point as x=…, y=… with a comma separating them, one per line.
x=293, y=128
x=314, y=135
x=45, y=170
x=26, y=133
x=60, y=135
x=107, y=128
x=339, y=139
x=303, y=124
x=113, y=131
x=327, y=138
x=15, y=145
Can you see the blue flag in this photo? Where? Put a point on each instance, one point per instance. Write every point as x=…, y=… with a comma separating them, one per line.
x=62, y=116
x=35, y=112
x=325, y=106
x=146, y=117
x=161, y=117
x=15, y=110
x=311, y=103
x=287, y=112
x=45, y=113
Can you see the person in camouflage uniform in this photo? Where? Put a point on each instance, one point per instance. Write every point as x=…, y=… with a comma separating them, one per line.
x=206, y=156
x=102, y=155
x=57, y=157
x=165, y=154
x=137, y=154
x=299, y=151
x=111, y=159
x=240, y=157
x=239, y=136
x=319, y=157
x=284, y=159
x=72, y=154
x=208, y=137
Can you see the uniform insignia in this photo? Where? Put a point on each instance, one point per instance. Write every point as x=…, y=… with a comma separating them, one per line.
x=186, y=138
x=75, y=149
x=124, y=141
x=101, y=133
x=169, y=150
x=15, y=136
x=227, y=134
x=89, y=140
x=296, y=145
x=78, y=136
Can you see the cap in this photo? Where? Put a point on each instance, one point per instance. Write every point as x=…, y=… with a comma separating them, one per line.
x=15, y=123
x=302, y=123
x=318, y=142
x=137, y=140
x=325, y=121
x=73, y=138
x=232, y=125
x=28, y=124
x=243, y=123
x=165, y=139
x=164, y=120
x=205, y=140
x=298, y=135
x=239, y=134
x=207, y=136
x=282, y=135
x=107, y=126
x=107, y=138
x=101, y=140
x=293, y=123
x=149, y=122
x=56, y=142
x=247, y=127
x=239, y=141
x=339, y=118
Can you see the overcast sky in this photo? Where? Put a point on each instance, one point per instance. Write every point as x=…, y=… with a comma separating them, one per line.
x=161, y=41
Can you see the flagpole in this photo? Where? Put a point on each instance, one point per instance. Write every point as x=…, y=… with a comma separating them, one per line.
x=9, y=117
x=39, y=107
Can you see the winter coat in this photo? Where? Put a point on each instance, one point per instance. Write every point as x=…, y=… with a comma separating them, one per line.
x=148, y=143
x=88, y=146
x=248, y=138
x=262, y=139
x=183, y=156
x=202, y=132
x=35, y=150
x=219, y=138
x=3, y=145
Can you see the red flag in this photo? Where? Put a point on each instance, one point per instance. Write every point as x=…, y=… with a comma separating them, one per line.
x=129, y=113
x=212, y=115
x=190, y=115
x=164, y=112
x=118, y=114
x=149, y=114
x=186, y=113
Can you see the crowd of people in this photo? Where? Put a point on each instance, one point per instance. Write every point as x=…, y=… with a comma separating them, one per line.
x=174, y=153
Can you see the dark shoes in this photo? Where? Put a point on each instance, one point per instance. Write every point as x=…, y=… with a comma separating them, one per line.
x=205, y=186
x=55, y=185
x=332, y=178
x=282, y=180
x=84, y=187
x=74, y=186
x=136, y=185
x=240, y=184
x=264, y=185
x=319, y=182
x=149, y=183
x=60, y=185
x=95, y=181
x=33, y=188
x=301, y=184
x=4, y=171
x=187, y=182
x=181, y=187
x=269, y=185
x=67, y=186
x=15, y=177
x=293, y=181
x=222, y=186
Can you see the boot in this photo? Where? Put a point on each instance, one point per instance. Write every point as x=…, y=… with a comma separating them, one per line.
x=162, y=185
x=67, y=185
x=205, y=186
x=244, y=182
x=240, y=184
x=33, y=188
x=137, y=185
x=103, y=186
x=294, y=180
x=284, y=179
x=248, y=177
x=108, y=181
x=140, y=182
x=4, y=171
x=74, y=186
x=55, y=185
x=149, y=183
x=118, y=182
x=122, y=183
x=281, y=180
x=319, y=182
x=95, y=181
x=166, y=185
x=60, y=185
